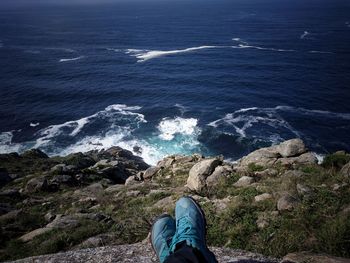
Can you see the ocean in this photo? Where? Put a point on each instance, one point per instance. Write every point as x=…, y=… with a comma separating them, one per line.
x=175, y=77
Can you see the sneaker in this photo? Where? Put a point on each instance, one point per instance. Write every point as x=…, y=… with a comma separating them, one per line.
x=163, y=230
x=191, y=228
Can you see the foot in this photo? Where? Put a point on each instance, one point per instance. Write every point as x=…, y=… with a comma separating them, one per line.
x=191, y=227
x=163, y=230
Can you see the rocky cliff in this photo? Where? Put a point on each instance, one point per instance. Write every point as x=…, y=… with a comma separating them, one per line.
x=98, y=206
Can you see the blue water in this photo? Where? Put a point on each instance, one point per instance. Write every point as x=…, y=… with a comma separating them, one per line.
x=216, y=77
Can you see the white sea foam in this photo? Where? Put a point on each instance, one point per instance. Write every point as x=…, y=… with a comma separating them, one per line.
x=6, y=144
x=320, y=52
x=269, y=121
x=168, y=128
x=34, y=124
x=70, y=59
x=144, y=55
x=304, y=35
x=264, y=48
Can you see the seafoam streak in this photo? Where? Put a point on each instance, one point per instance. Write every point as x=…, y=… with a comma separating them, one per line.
x=144, y=55
x=70, y=59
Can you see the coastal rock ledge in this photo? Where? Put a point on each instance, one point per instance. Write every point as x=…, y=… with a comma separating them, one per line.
x=277, y=202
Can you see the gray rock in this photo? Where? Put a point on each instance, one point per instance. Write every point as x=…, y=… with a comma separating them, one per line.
x=302, y=257
x=219, y=173
x=287, y=202
x=63, y=169
x=150, y=172
x=244, y=181
x=262, y=197
x=36, y=185
x=304, y=190
x=199, y=172
x=64, y=179
x=266, y=173
x=291, y=148
x=140, y=253
x=264, y=157
x=64, y=222
x=305, y=158
x=345, y=170
x=131, y=181
x=32, y=234
x=133, y=193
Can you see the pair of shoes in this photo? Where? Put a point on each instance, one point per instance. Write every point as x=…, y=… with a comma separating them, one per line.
x=189, y=228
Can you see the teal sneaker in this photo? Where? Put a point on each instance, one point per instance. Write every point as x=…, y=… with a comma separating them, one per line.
x=191, y=228
x=163, y=230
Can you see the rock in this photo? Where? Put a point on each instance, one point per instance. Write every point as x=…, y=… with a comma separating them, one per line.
x=63, y=169
x=302, y=257
x=166, y=162
x=305, y=158
x=345, y=170
x=36, y=184
x=150, y=172
x=266, y=173
x=118, y=174
x=114, y=188
x=222, y=204
x=293, y=174
x=262, y=197
x=140, y=253
x=133, y=193
x=99, y=240
x=219, y=173
x=244, y=181
x=263, y=157
x=264, y=219
x=199, y=173
x=64, y=179
x=4, y=177
x=262, y=222
x=49, y=217
x=95, y=188
x=287, y=202
x=64, y=222
x=291, y=148
x=35, y=154
x=37, y=232
x=131, y=181
x=304, y=190
x=79, y=160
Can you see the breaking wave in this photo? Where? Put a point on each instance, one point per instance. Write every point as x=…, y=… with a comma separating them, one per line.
x=70, y=59
x=144, y=55
x=270, y=124
x=118, y=125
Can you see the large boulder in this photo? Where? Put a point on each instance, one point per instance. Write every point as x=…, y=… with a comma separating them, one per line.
x=286, y=153
x=36, y=185
x=287, y=202
x=199, y=172
x=244, y=181
x=291, y=148
x=150, y=172
x=345, y=170
x=219, y=173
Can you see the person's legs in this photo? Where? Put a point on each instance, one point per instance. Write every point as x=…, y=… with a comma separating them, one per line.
x=185, y=254
x=188, y=242
x=162, y=233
